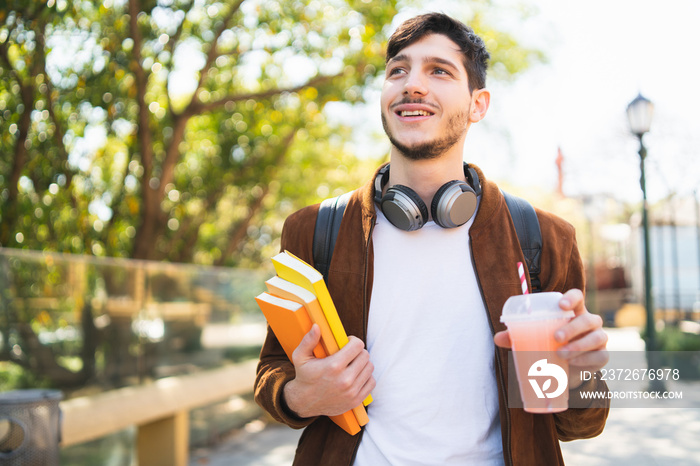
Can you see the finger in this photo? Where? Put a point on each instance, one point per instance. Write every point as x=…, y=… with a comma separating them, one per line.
x=364, y=383
x=591, y=341
x=305, y=350
x=351, y=350
x=577, y=327
x=338, y=363
x=589, y=360
x=573, y=301
x=366, y=389
x=350, y=380
x=502, y=339
x=351, y=377
x=360, y=367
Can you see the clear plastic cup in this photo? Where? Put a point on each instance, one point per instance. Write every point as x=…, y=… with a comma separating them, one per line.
x=542, y=375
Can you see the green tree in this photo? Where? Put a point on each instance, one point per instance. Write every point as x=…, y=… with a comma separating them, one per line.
x=110, y=155
x=169, y=129
x=178, y=130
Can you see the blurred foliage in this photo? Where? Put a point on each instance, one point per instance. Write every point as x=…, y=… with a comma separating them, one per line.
x=242, y=353
x=15, y=377
x=672, y=338
x=679, y=350
x=184, y=130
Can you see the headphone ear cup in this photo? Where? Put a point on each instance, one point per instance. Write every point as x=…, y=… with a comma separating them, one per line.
x=453, y=204
x=404, y=208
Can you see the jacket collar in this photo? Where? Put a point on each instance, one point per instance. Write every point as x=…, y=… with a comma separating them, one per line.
x=490, y=201
x=369, y=212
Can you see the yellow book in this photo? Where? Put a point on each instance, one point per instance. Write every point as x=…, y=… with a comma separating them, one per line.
x=295, y=270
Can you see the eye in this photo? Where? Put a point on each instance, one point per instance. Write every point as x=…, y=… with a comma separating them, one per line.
x=395, y=71
x=441, y=71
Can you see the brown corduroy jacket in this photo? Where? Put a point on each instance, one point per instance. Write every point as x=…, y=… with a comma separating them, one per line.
x=528, y=439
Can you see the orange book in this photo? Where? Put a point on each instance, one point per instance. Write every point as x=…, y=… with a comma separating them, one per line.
x=284, y=289
x=290, y=322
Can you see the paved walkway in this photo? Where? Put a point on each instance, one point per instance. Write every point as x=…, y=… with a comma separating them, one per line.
x=632, y=436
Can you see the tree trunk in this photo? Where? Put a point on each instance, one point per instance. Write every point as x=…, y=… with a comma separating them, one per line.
x=42, y=360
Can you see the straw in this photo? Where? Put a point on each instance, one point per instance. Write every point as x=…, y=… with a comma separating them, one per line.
x=523, y=286
x=523, y=280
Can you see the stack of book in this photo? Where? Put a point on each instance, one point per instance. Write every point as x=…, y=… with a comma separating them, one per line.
x=297, y=297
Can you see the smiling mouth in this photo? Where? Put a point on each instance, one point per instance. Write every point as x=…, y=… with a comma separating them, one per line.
x=412, y=113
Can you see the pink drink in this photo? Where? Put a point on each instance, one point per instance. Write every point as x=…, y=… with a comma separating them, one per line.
x=542, y=375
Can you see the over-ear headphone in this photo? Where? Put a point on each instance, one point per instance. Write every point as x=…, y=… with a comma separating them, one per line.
x=453, y=204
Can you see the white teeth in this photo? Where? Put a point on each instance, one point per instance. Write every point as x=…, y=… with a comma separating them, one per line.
x=406, y=113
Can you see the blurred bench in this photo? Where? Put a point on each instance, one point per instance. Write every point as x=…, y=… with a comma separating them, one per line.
x=159, y=409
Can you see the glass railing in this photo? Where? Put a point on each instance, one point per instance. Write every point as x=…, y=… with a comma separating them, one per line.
x=84, y=324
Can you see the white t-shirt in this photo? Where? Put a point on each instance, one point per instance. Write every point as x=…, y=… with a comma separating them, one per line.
x=436, y=399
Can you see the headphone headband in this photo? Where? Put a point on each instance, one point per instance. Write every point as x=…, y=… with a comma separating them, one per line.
x=380, y=181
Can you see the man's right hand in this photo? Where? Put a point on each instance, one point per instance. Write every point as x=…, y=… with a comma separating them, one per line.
x=332, y=385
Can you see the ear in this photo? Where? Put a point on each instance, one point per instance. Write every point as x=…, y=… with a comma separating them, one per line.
x=480, y=104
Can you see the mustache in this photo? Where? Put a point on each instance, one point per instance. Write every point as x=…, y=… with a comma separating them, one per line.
x=409, y=100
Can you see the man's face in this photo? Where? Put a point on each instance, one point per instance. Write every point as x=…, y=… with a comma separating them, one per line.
x=425, y=100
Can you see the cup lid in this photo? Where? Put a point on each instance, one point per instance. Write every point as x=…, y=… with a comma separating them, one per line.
x=534, y=306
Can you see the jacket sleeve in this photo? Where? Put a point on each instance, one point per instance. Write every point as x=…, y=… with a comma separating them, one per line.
x=563, y=275
x=275, y=370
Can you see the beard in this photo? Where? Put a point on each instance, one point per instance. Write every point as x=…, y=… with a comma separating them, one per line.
x=456, y=126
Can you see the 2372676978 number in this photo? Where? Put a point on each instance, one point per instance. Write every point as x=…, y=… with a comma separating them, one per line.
x=639, y=374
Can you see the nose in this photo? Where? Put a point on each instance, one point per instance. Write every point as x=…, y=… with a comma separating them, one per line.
x=415, y=85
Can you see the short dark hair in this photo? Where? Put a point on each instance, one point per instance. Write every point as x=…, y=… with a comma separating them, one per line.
x=476, y=56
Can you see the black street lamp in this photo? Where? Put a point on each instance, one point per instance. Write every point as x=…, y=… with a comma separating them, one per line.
x=639, y=114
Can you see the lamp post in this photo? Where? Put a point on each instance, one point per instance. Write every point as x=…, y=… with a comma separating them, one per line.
x=589, y=211
x=639, y=114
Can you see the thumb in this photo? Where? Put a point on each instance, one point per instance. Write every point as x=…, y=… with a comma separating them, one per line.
x=305, y=350
x=502, y=339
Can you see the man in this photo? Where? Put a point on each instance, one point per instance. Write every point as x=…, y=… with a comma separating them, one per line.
x=424, y=291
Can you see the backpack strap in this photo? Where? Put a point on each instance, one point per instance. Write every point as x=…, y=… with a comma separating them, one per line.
x=527, y=226
x=330, y=214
